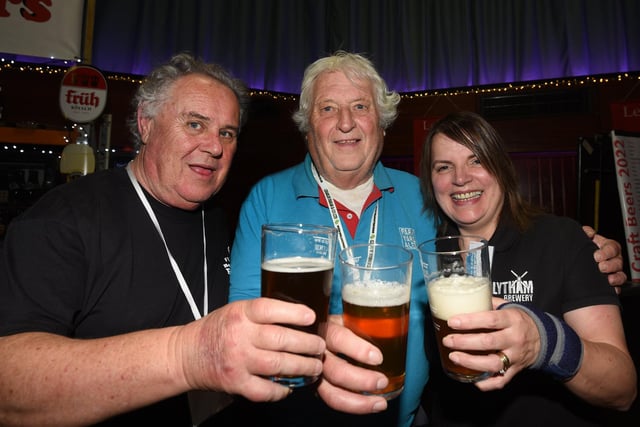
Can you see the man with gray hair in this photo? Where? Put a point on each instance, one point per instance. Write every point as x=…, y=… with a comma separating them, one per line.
x=344, y=110
x=113, y=288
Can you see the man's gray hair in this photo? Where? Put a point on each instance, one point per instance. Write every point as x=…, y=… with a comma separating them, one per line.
x=355, y=67
x=156, y=88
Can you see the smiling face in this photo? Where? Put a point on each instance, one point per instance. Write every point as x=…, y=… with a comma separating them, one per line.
x=345, y=140
x=465, y=191
x=189, y=145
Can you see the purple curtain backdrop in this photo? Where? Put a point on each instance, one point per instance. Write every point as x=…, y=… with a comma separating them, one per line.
x=417, y=45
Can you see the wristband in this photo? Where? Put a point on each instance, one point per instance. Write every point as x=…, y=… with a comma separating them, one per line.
x=560, y=346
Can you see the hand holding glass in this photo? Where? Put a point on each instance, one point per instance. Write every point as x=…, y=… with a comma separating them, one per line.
x=376, y=291
x=297, y=266
x=457, y=274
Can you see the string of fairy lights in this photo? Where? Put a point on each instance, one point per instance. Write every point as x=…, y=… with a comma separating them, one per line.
x=569, y=82
x=472, y=90
x=528, y=86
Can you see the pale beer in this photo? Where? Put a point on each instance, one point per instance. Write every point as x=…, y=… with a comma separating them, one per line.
x=449, y=296
x=379, y=312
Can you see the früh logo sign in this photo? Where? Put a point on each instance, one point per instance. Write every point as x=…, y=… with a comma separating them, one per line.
x=83, y=94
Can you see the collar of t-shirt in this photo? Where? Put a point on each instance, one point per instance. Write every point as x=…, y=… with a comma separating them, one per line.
x=354, y=198
x=350, y=215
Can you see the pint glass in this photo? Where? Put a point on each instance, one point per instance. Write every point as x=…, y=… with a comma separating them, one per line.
x=376, y=290
x=457, y=274
x=297, y=266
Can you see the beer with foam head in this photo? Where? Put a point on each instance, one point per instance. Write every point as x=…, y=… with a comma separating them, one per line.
x=297, y=262
x=376, y=293
x=449, y=296
x=379, y=313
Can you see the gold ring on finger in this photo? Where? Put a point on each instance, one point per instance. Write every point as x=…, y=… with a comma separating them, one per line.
x=506, y=363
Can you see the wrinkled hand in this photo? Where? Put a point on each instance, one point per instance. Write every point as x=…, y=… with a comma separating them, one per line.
x=514, y=333
x=234, y=347
x=609, y=257
x=341, y=381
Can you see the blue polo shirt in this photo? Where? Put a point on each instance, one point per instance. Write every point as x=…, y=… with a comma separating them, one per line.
x=293, y=196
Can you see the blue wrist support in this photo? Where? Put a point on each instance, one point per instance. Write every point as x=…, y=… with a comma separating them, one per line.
x=560, y=347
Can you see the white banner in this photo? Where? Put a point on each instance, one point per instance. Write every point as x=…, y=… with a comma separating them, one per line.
x=43, y=28
x=626, y=157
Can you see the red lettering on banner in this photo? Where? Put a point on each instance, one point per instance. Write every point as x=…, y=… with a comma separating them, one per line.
x=624, y=163
x=32, y=10
x=628, y=111
x=625, y=116
x=3, y=7
x=635, y=259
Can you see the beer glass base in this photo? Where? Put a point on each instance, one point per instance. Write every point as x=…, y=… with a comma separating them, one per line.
x=472, y=378
x=294, y=382
x=388, y=395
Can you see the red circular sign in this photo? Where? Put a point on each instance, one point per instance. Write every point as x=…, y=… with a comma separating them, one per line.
x=83, y=94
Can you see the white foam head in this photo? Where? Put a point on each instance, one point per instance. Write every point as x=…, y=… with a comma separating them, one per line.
x=457, y=294
x=297, y=264
x=376, y=293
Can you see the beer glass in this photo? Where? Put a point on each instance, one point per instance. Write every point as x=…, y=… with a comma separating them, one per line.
x=297, y=266
x=457, y=274
x=376, y=291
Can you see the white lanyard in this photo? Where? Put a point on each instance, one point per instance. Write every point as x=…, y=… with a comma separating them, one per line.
x=174, y=264
x=373, y=228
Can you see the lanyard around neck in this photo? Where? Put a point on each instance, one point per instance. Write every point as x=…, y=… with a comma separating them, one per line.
x=174, y=264
x=335, y=216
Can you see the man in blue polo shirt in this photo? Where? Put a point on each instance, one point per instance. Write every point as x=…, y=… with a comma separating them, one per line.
x=345, y=107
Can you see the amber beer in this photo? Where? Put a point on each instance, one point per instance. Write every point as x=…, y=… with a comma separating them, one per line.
x=300, y=280
x=379, y=312
x=449, y=296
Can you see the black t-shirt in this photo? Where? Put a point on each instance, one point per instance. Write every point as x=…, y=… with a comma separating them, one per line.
x=86, y=262
x=551, y=266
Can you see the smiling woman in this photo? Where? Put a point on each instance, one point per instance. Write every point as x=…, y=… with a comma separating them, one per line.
x=465, y=191
x=470, y=187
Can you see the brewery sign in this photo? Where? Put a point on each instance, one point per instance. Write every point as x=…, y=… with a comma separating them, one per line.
x=83, y=94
